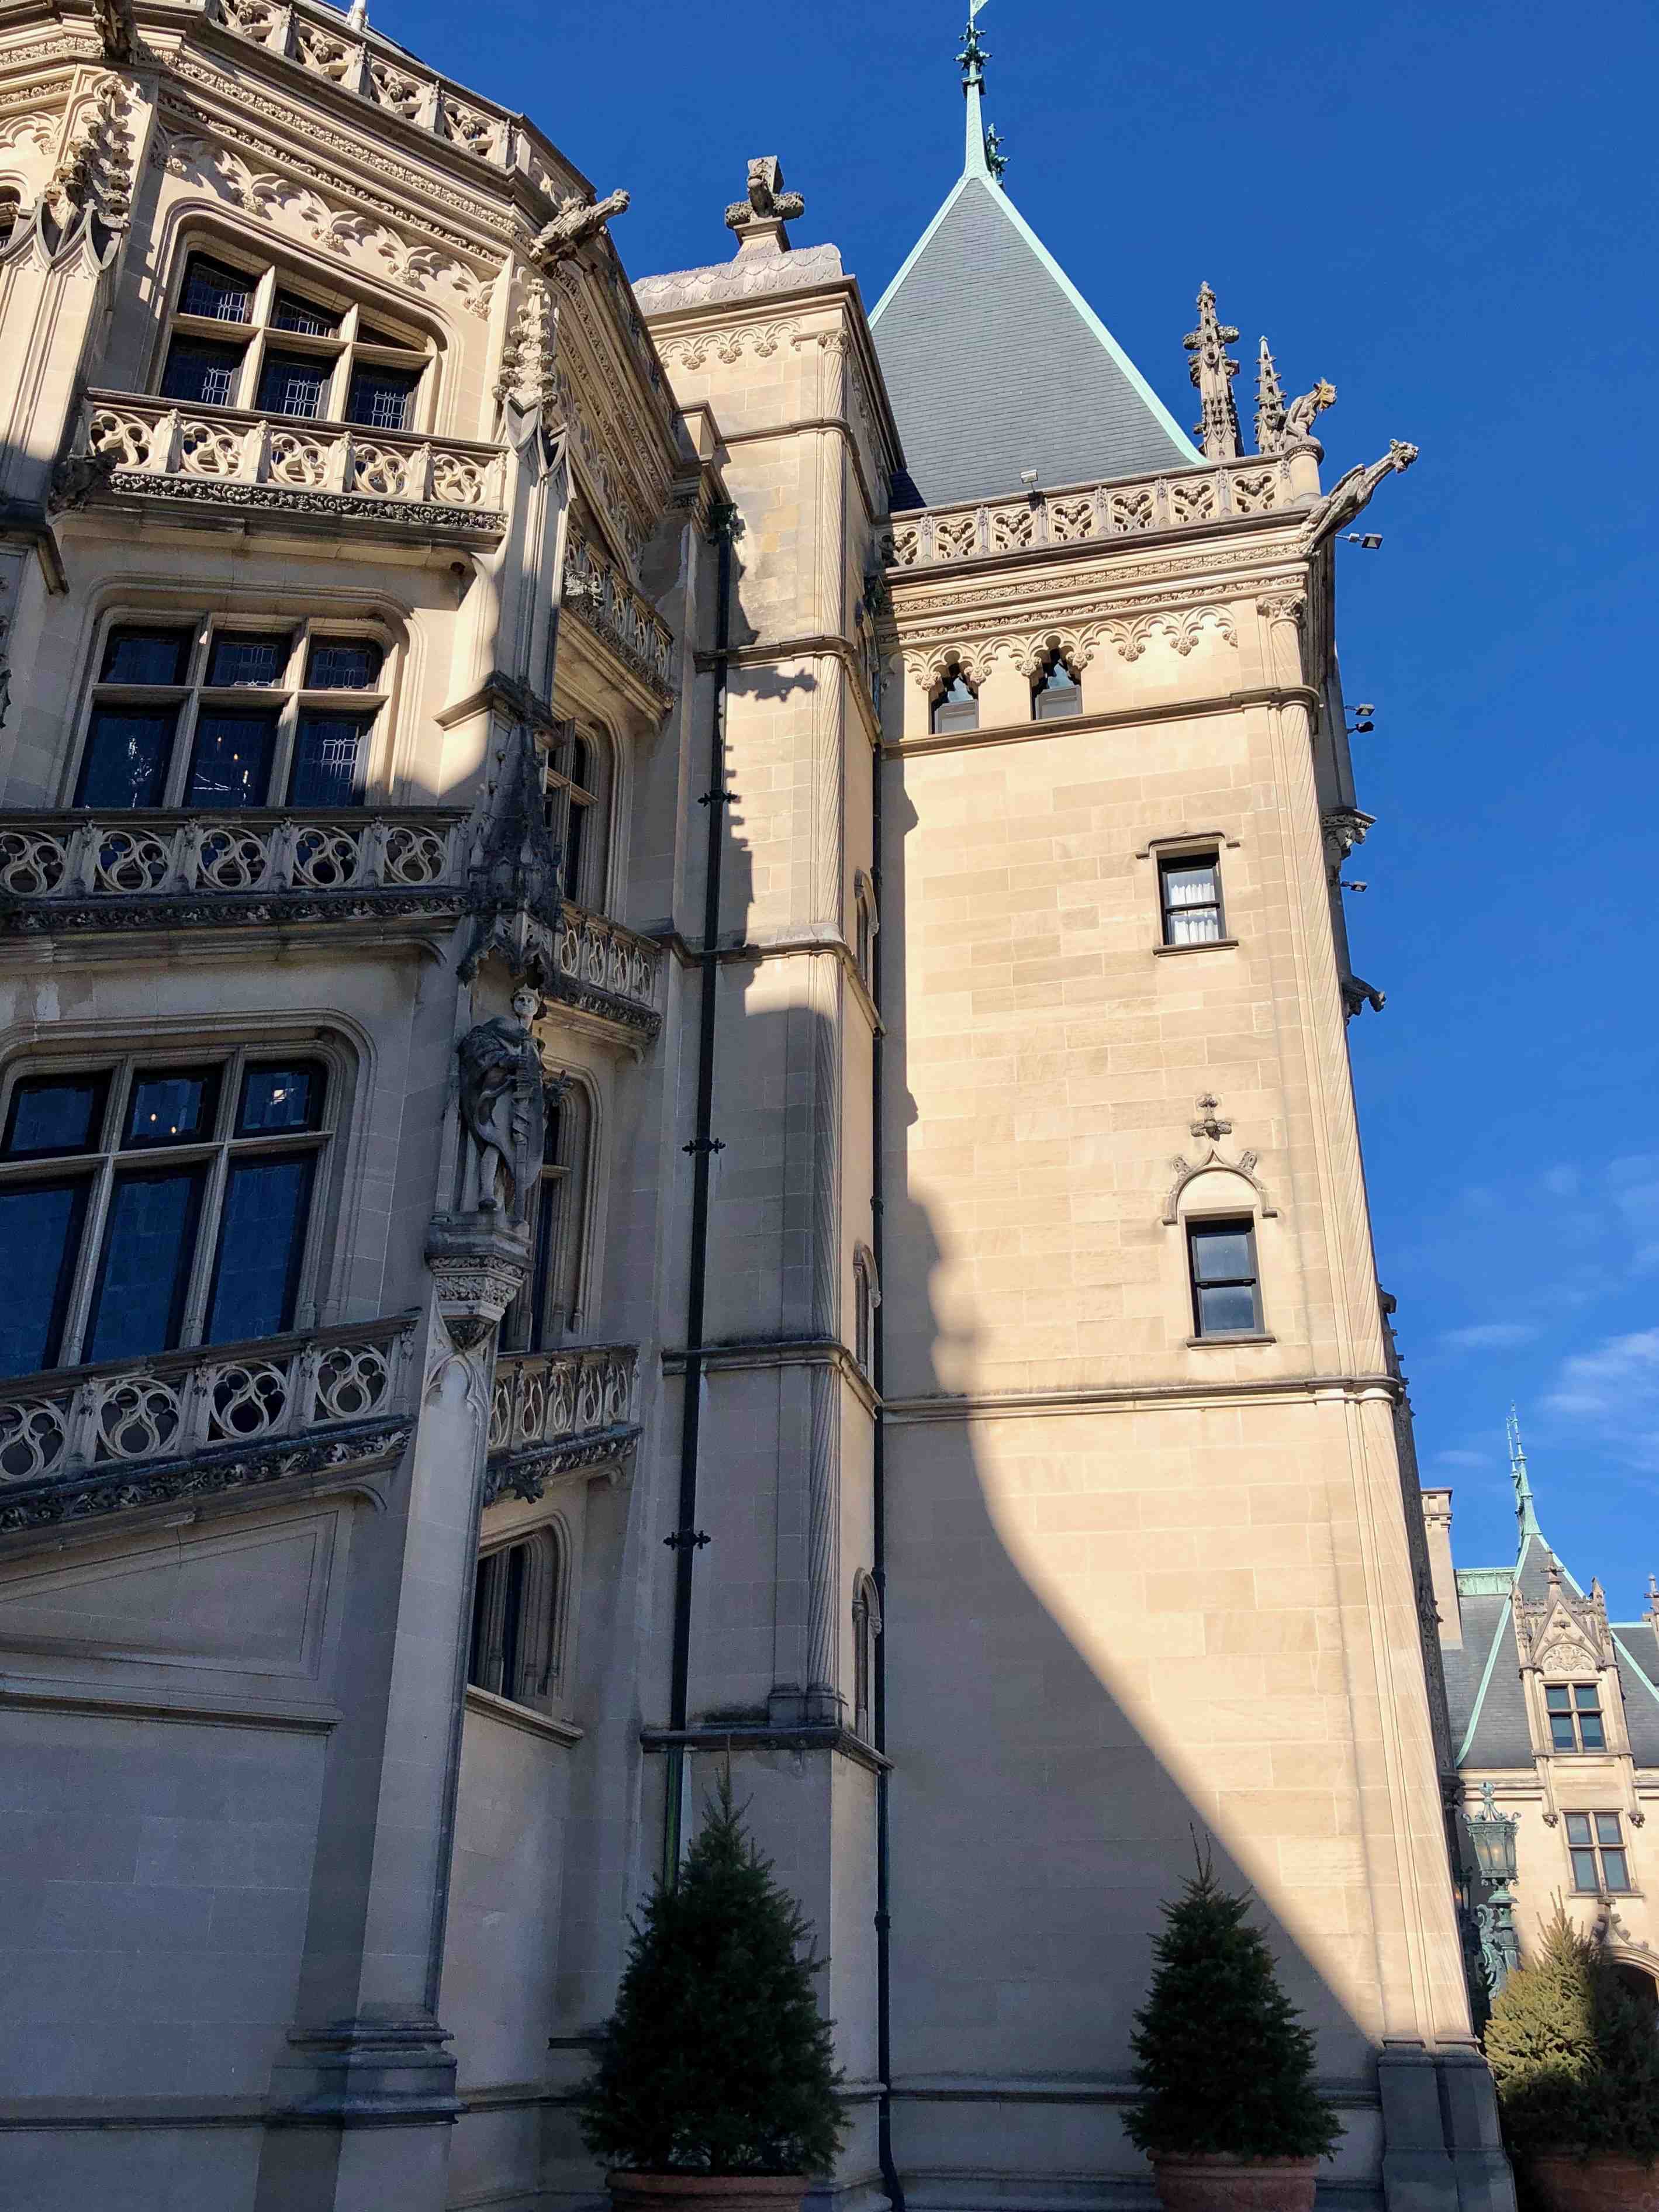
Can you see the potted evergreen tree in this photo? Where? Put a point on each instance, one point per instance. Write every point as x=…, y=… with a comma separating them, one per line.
x=1576, y=2058
x=1226, y=2107
x=716, y=2080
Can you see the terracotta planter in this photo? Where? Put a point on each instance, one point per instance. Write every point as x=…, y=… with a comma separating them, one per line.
x=1566, y=2184
x=707, y=2192
x=1213, y=2183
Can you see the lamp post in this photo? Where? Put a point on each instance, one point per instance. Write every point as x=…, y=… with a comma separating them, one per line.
x=1492, y=1834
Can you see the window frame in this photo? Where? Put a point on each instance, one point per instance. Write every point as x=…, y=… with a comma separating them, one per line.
x=1575, y=1711
x=526, y=1325
x=108, y=1158
x=290, y=700
x=867, y=1627
x=1193, y=1225
x=1070, y=700
x=345, y=348
x=542, y=1613
x=1170, y=863
x=940, y=701
x=1595, y=1845
x=587, y=884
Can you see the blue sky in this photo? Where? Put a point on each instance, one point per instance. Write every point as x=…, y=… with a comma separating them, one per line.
x=1449, y=212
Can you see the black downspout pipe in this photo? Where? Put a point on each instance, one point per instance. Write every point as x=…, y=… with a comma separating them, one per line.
x=890, y=2178
x=687, y=1539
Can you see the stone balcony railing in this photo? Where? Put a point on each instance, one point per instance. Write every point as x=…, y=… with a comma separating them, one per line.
x=130, y=447
x=154, y=868
x=83, y=1441
x=553, y=1412
x=600, y=596
x=986, y=529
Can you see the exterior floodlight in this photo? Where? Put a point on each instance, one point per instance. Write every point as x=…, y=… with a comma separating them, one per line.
x=1370, y=539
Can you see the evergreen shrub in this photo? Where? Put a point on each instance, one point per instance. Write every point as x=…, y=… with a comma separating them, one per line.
x=1574, y=2053
x=717, y=2059
x=1222, y=2065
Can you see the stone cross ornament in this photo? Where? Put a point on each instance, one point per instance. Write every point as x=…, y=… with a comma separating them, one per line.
x=768, y=208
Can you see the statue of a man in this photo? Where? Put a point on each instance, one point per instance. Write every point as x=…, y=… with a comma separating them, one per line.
x=503, y=1116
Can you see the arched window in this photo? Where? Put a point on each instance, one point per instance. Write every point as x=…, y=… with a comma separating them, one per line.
x=866, y=921
x=866, y=1296
x=867, y=1627
x=517, y=1604
x=955, y=703
x=576, y=782
x=1056, y=693
x=243, y=333
x=11, y=208
x=544, y=1314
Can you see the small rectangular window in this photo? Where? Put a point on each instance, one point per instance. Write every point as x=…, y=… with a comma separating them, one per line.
x=200, y=374
x=41, y=1229
x=1596, y=1846
x=231, y=763
x=1226, y=1293
x=343, y=663
x=224, y=296
x=239, y=658
x=261, y=1240
x=1574, y=1710
x=146, y=656
x=294, y=384
x=144, y=1275
x=383, y=399
x=279, y=1100
x=291, y=313
x=1190, y=890
x=330, y=755
x=54, y=1115
x=127, y=757
x=171, y=1108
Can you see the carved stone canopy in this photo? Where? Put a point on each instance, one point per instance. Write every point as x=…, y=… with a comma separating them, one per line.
x=1564, y=1632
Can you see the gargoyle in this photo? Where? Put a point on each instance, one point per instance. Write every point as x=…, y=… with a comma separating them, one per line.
x=576, y=224
x=1351, y=493
x=1358, y=992
x=117, y=30
x=1297, y=428
x=768, y=201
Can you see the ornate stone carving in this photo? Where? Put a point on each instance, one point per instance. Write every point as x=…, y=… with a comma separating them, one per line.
x=1296, y=429
x=479, y=1263
x=118, y=31
x=1343, y=827
x=768, y=207
x=1351, y=493
x=1564, y=1632
x=504, y=1110
x=552, y=1413
x=1269, y=402
x=603, y=598
x=578, y=222
x=1213, y=371
x=1212, y=1128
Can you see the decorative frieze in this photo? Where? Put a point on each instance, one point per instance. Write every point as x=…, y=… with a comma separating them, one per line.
x=977, y=530
x=95, y=1440
x=552, y=1413
x=222, y=455
x=155, y=869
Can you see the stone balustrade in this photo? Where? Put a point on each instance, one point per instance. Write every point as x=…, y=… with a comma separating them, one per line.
x=323, y=43
x=134, y=446
x=600, y=595
x=979, y=530
x=92, y=1440
x=594, y=954
x=162, y=868
x=552, y=1413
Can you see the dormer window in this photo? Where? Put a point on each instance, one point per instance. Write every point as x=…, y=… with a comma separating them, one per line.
x=1575, y=1716
x=240, y=338
x=1056, y=693
x=956, y=706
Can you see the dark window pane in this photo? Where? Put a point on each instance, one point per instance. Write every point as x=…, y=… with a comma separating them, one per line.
x=1556, y=1697
x=146, y=656
x=1591, y=1732
x=1608, y=1830
x=368, y=335
x=52, y=1114
x=1584, y=1870
x=261, y=1239
x=126, y=757
x=294, y=384
x=382, y=398
x=1578, y=1828
x=513, y=1670
x=273, y=1098
x=343, y=663
x=240, y=659
x=1561, y=1735
x=210, y=289
x=478, y=1666
x=171, y=1108
x=203, y=374
x=575, y=827
x=330, y=755
x=1615, y=1869
x=1587, y=1697
x=39, y=1235
x=139, y=1304
x=1227, y=1311
x=543, y=1323
x=231, y=764
x=582, y=764
x=290, y=313
x=1222, y=1255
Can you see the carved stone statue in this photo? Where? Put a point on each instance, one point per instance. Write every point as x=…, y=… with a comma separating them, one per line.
x=577, y=222
x=1297, y=428
x=503, y=1113
x=1351, y=493
x=768, y=201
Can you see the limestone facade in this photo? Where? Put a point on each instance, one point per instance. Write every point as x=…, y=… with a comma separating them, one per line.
x=600, y=1188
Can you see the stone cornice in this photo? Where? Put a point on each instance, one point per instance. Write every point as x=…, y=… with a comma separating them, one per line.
x=1171, y=710
x=779, y=1351
x=822, y=645
x=752, y=1735
x=1128, y=1398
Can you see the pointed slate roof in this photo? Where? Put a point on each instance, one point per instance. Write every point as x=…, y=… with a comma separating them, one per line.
x=996, y=363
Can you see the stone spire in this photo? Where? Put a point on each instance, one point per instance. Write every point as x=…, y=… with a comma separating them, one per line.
x=977, y=154
x=1213, y=372
x=1525, y=1512
x=1270, y=409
